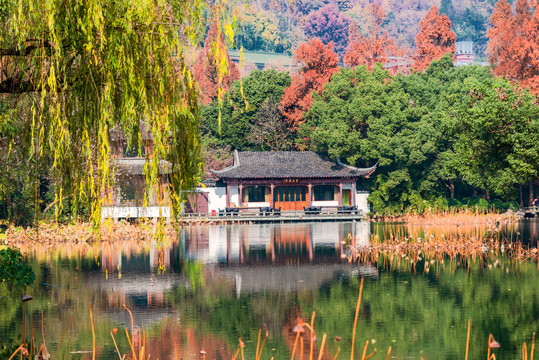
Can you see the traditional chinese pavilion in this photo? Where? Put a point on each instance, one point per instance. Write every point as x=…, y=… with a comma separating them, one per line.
x=291, y=181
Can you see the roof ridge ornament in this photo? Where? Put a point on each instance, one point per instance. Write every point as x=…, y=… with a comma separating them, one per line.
x=236, y=157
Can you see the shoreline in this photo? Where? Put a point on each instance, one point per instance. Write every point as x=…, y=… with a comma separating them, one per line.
x=51, y=234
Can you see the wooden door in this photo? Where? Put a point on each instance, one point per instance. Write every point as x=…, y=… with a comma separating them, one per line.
x=290, y=198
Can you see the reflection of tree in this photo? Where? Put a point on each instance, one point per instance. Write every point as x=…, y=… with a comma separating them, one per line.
x=430, y=312
x=426, y=312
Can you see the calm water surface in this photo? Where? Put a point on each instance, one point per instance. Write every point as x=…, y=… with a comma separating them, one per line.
x=218, y=283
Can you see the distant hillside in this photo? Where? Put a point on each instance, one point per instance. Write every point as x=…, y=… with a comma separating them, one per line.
x=280, y=25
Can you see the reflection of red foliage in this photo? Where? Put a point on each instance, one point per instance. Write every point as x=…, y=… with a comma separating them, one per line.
x=514, y=43
x=434, y=40
x=205, y=70
x=175, y=342
x=319, y=62
x=376, y=48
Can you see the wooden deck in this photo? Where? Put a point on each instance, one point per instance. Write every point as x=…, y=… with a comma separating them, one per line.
x=285, y=216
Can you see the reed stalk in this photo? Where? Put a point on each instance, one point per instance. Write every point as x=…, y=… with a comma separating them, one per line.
x=337, y=339
x=302, y=349
x=365, y=350
x=312, y=336
x=388, y=353
x=468, y=339
x=372, y=354
x=322, y=347
x=533, y=347
x=130, y=344
x=23, y=337
x=62, y=338
x=295, y=346
x=16, y=351
x=132, y=332
x=524, y=351
x=131, y=316
x=258, y=343
x=93, y=332
x=115, y=345
x=355, y=319
x=262, y=347
x=488, y=347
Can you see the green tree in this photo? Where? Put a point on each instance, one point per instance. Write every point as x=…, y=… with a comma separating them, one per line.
x=406, y=123
x=14, y=272
x=241, y=106
x=497, y=142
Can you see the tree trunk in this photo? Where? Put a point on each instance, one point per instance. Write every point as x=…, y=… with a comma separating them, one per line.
x=521, y=199
x=487, y=195
x=530, y=195
x=452, y=189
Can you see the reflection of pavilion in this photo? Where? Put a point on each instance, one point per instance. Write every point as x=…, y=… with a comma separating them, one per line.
x=310, y=253
x=133, y=277
x=270, y=243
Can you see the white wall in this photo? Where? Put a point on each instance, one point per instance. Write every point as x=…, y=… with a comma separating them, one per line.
x=116, y=212
x=257, y=204
x=234, y=195
x=216, y=198
x=325, y=203
x=361, y=201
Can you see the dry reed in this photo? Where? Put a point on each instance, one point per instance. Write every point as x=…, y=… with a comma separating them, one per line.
x=397, y=246
x=449, y=216
x=355, y=319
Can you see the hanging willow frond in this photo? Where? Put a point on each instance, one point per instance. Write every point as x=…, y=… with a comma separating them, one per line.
x=87, y=68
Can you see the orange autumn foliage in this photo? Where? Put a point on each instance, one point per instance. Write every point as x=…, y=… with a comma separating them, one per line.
x=206, y=72
x=513, y=46
x=318, y=63
x=434, y=40
x=372, y=49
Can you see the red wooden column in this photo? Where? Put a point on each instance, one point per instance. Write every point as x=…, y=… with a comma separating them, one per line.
x=227, y=195
x=340, y=194
x=309, y=195
x=271, y=194
x=240, y=200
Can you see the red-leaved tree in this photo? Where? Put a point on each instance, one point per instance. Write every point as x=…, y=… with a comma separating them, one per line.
x=212, y=82
x=434, y=40
x=318, y=62
x=513, y=46
x=372, y=49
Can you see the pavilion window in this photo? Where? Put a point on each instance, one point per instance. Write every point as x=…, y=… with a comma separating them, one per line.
x=325, y=192
x=133, y=150
x=256, y=194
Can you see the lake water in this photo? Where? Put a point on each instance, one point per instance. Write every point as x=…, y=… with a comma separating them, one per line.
x=218, y=283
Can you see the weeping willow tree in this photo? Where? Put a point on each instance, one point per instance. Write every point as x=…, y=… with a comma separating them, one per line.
x=73, y=72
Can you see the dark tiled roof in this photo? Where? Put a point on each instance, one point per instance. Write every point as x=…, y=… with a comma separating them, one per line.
x=287, y=164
